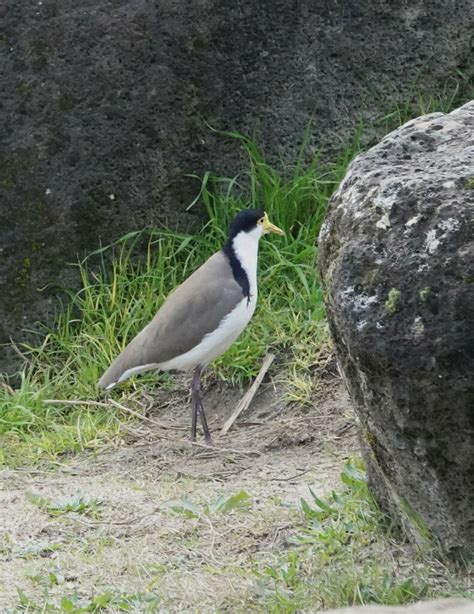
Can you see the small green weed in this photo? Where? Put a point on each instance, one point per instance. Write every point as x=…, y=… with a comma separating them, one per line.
x=222, y=505
x=343, y=521
x=76, y=504
x=148, y=603
x=287, y=572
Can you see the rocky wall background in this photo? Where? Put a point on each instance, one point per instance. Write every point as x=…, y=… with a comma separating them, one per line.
x=104, y=105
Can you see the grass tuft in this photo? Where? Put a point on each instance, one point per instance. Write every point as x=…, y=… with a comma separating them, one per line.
x=116, y=301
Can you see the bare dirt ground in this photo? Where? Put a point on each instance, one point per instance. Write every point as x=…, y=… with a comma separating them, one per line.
x=201, y=559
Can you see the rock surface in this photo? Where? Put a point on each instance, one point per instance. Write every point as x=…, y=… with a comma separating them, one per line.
x=397, y=262
x=446, y=606
x=105, y=104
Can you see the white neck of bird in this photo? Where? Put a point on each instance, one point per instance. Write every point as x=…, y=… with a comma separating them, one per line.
x=245, y=246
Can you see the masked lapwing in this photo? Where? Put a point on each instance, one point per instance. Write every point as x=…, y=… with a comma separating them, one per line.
x=203, y=316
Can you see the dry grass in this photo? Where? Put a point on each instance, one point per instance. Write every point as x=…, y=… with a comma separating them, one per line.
x=161, y=525
x=158, y=527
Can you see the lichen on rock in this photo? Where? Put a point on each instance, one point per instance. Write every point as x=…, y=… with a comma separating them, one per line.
x=392, y=304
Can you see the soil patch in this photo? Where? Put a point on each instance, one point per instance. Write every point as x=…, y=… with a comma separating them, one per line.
x=160, y=528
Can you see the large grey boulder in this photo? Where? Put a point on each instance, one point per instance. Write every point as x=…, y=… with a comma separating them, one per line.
x=105, y=105
x=397, y=262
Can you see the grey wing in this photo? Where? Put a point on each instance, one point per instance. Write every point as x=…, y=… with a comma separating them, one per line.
x=189, y=313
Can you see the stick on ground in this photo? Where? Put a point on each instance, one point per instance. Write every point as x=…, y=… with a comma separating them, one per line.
x=249, y=395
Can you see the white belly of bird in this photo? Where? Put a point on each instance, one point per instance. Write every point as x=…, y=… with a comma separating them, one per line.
x=216, y=343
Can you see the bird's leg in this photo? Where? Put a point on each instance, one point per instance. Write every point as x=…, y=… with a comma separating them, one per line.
x=198, y=407
x=205, y=428
x=194, y=401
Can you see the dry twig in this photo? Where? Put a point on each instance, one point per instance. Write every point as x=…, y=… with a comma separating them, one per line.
x=245, y=401
x=127, y=410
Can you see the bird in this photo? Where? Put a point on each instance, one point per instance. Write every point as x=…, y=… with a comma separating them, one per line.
x=201, y=318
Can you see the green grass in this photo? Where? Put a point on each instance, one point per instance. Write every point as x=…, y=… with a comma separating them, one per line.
x=117, y=300
x=456, y=91
x=148, y=603
x=133, y=277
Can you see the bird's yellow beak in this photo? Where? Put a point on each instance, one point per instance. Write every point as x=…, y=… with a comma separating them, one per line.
x=269, y=227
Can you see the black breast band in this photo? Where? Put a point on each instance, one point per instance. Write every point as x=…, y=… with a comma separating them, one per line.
x=240, y=275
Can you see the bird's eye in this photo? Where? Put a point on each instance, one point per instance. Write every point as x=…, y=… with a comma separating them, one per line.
x=261, y=220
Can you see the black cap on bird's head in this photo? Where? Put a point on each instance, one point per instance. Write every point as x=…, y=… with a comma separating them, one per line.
x=248, y=219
